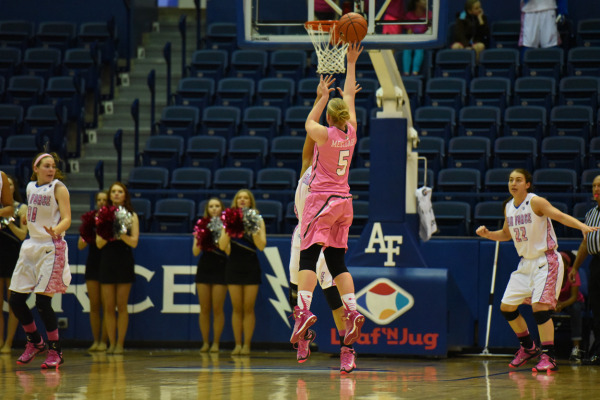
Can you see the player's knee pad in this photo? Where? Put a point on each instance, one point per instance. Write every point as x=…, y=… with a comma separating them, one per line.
x=293, y=295
x=309, y=258
x=333, y=297
x=511, y=315
x=334, y=257
x=18, y=305
x=541, y=317
x=44, y=306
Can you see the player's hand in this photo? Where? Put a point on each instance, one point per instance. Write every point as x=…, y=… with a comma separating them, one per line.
x=588, y=229
x=572, y=275
x=354, y=50
x=482, y=231
x=356, y=90
x=51, y=232
x=324, y=85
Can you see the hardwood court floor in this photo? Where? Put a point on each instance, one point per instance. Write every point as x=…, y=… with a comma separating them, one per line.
x=187, y=374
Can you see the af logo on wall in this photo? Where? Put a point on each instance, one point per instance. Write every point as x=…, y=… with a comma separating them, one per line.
x=382, y=301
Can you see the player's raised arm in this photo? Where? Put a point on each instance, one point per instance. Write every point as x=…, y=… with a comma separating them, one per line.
x=354, y=50
x=314, y=129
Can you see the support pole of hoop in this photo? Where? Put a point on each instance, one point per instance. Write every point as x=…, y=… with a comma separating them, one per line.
x=491, y=301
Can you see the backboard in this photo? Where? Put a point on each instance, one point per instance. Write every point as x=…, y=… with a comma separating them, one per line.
x=276, y=24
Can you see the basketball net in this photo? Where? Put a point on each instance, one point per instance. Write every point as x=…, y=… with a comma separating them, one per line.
x=331, y=52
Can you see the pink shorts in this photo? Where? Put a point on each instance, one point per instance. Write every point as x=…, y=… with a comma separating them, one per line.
x=326, y=219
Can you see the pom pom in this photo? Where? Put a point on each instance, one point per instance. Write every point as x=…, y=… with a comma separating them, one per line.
x=123, y=221
x=4, y=222
x=105, y=222
x=251, y=220
x=207, y=232
x=233, y=222
x=87, y=230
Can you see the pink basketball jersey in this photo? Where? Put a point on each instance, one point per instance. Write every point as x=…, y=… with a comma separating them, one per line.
x=331, y=161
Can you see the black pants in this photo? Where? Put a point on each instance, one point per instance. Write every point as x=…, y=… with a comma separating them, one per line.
x=594, y=300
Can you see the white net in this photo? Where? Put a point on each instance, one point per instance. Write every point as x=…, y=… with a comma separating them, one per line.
x=330, y=56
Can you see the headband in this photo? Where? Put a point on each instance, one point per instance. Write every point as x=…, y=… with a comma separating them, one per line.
x=37, y=160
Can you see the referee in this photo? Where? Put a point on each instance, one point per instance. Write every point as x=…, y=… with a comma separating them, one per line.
x=591, y=246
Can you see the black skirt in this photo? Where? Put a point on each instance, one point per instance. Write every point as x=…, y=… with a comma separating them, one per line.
x=211, y=268
x=243, y=267
x=117, y=263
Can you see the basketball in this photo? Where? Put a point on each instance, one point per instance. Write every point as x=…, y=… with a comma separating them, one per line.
x=352, y=27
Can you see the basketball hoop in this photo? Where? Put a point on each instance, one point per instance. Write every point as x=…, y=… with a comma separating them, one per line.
x=328, y=46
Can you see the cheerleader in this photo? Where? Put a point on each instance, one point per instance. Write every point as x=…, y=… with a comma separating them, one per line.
x=13, y=231
x=210, y=282
x=117, y=271
x=42, y=267
x=92, y=276
x=243, y=274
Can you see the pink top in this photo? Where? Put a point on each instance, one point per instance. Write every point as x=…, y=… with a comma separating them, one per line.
x=565, y=291
x=395, y=9
x=421, y=28
x=331, y=161
x=322, y=6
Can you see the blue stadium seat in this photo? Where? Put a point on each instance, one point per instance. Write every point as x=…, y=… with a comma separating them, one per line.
x=288, y=64
x=286, y=152
x=261, y=121
x=289, y=219
x=272, y=213
x=563, y=152
x=469, y=152
x=236, y=92
x=103, y=37
x=307, y=91
x=425, y=179
x=82, y=65
x=221, y=121
x=547, y=62
x=143, y=209
x=206, y=152
x=190, y=183
x=276, y=179
x=48, y=121
x=249, y=64
x=594, y=153
x=556, y=184
x=435, y=121
x=358, y=179
x=16, y=33
x=25, y=90
x=179, y=121
x=453, y=218
x=361, y=216
x=414, y=89
x=57, y=34
x=571, y=121
x=479, y=121
x=362, y=121
x=493, y=92
x=363, y=150
x=148, y=178
x=587, y=179
x=295, y=120
x=505, y=34
x=41, y=61
x=579, y=91
x=364, y=67
x=499, y=63
x=10, y=62
x=525, y=121
x=455, y=180
x=19, y=150
x=66, y=91
x=433, y=148
x=233, y=178
x=222, y=35
x=448, y=92
x=535, y=91
x=163, y=151
x=496, y=181
x=11, y=120
x=366, y=97
x=584, y=61
x=453, y=63
x=195, y=92
x=173, y=216
x=515, y=152
x=588, y=32
x=209, y=64
x=490, y=214
x=248, y=152
x=276, y=92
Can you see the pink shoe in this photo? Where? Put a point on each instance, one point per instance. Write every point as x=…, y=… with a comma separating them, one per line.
x=53, y=360
x=304, y=320
x=303, y=345
x=546, y=363
x=31, y=350
x=347, y=360
x=524, y=355
x=354, y=322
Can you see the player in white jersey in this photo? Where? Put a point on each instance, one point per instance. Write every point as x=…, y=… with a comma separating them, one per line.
x=6, y=199
x=538, y=24
x=538, y=278
x=43, y=266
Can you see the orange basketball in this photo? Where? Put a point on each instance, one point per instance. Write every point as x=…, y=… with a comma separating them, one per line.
x=352, y=27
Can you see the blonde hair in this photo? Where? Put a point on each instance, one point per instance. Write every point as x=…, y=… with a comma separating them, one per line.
x=206, y=214
x=57, y=175
x=338, y=111
x=235, y=198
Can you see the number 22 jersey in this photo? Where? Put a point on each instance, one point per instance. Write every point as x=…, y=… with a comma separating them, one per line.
x=532, y=235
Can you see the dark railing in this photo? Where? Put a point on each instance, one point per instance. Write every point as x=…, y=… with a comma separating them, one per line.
x=135, y=114
x=118, y=142
x=167, y=55
x=152, y=87
x=198, y=25
x=183, y=32
x=99, y=174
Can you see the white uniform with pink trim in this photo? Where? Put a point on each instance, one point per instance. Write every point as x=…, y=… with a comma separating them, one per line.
x=539, y=276
x=43, y=265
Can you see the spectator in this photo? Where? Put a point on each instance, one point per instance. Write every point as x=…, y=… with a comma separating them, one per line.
x=417, y=10
x=538, y=24
x=571, y=302
x=471, y=30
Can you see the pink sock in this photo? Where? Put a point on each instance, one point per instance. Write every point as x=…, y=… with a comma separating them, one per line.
x=304, y=299
x=349, y=300
x=30, y=328
x=53, y=335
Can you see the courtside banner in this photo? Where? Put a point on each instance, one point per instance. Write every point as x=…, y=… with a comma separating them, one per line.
x=163, y=304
